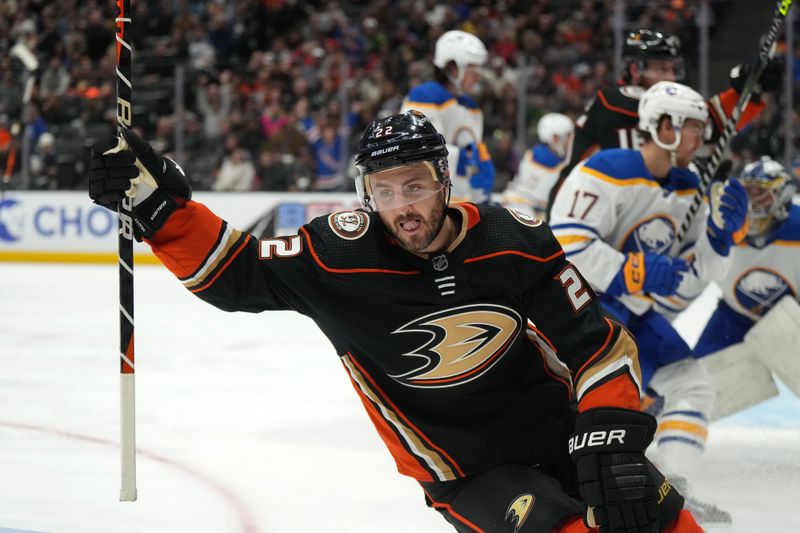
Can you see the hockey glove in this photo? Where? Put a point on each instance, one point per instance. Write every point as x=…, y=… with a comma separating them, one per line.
x=475, y=162
x=615, y=481
x=128, y=166
x=648, y=272
x=771, y=78
x=727, y=222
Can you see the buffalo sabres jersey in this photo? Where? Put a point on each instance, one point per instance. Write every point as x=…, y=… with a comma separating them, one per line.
x=611, y=120
x=758, y=278
x=457, y=118
x=538, y=171
x=611, y=205
x=461, y=358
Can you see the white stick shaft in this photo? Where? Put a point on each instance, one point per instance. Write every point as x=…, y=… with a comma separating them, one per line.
x=127, y=409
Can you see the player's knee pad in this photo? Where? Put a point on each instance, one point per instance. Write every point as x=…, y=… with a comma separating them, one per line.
x=684, y=385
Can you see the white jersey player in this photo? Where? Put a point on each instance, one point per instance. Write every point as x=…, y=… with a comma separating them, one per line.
x=539, y=169
x=447, y=104
x=755, y=330
x=616, y=217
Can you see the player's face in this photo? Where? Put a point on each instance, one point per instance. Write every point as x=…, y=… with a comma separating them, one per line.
x=471, y=75
x=657, y=70
x=692, y=135
x=411, y=205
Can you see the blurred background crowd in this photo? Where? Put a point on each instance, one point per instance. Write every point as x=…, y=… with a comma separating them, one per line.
x=273, y=94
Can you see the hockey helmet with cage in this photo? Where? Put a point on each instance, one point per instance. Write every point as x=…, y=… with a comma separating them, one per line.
x=770, y=189
x=678, y=102
x=463, y=49
x=644, y=45
x=552, y=125
x=396, y=141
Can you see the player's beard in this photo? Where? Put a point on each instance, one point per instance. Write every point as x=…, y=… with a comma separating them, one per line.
x=429, y=228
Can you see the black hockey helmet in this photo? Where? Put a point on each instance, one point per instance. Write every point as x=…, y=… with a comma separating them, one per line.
x=395, y=141
x=642, y=45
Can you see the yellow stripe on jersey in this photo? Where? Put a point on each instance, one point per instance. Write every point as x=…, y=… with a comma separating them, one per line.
x=629, y=182
x=617, y=181
x=679, y=425
x=781, y=242
x=566, y=240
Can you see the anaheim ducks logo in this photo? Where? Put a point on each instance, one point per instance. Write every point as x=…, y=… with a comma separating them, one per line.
x=349, y=225
x=464, y=343
x=519, y=510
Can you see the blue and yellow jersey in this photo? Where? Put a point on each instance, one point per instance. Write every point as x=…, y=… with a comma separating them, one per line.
x=611, y=205
x=457, y=118
x=529, y=190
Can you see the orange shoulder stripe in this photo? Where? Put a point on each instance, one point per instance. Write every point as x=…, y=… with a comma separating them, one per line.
x=615, y=108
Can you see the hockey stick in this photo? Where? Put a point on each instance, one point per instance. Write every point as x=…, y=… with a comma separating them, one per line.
x=127, y=492
x=707, y=173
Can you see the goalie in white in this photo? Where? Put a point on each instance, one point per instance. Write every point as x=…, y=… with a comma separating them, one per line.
x=529, y=191
x=755, y=330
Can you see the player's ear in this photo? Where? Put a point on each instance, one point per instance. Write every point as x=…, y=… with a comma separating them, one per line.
x=665, y=130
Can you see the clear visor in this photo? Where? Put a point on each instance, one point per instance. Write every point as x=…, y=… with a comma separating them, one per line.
x=398, y=186
x=656, y=70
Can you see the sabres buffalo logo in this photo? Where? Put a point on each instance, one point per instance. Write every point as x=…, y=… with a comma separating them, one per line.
x=652, y=235
x=464, y=343
x=759, y=289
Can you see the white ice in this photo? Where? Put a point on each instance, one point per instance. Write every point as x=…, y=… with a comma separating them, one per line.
x=248, y=423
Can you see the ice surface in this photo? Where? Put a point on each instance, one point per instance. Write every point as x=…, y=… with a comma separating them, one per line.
x=248, y=422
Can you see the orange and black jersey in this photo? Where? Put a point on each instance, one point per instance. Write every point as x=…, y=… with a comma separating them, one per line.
x=462, y=359
x=611, y=120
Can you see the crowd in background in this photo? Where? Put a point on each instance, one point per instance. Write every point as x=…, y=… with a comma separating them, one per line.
x=276, y=92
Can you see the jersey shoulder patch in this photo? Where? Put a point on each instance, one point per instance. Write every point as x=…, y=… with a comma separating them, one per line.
x=349, y=225
x=429, y=93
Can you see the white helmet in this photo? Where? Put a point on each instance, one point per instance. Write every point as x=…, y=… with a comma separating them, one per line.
x=553, y=124
x=460, y=47
x=677, y=101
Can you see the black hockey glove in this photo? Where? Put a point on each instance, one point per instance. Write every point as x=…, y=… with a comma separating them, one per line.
x=771, y=77
x=129, y=166
x=614, y=478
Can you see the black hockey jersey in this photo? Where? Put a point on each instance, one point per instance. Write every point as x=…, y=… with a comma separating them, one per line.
x=462, y=359
x=611, y=121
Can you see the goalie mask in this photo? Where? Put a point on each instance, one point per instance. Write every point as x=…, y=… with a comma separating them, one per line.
x=407, y=140
x=770, y=189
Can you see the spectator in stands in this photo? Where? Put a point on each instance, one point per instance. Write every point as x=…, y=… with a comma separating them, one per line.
x=328, y=156
x=237, y=172
x=214, y=104
x=44, y=163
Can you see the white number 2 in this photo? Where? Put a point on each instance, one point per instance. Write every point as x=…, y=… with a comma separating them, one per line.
x=280, y=247
x=577, y=294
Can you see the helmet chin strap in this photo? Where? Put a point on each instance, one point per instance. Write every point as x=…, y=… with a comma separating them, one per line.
x=456, y=81
x=672, y=147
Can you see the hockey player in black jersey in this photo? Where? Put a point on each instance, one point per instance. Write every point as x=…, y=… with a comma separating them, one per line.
x=610, y=119
x=467, y=335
